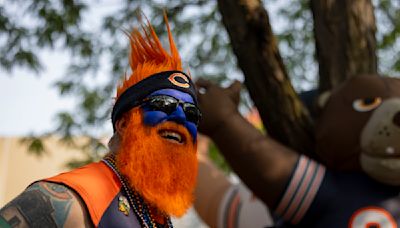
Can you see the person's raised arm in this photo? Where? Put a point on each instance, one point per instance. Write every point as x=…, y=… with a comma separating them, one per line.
x=45, y=204
x=262, y=163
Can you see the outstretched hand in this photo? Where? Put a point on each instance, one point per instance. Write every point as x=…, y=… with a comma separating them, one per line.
x=217, y=104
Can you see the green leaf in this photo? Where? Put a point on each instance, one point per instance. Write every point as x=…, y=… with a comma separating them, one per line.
x=218, y=159
x=35, y=145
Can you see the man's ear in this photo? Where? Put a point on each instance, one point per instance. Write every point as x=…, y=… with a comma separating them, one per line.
x=121, y=125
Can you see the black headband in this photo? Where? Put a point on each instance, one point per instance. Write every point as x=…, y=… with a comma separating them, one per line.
x=133, y=96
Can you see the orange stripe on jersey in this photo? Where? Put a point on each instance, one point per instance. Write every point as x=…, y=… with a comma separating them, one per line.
x=233, y=211
x=96, y=184
x=294, y=182
x=311, y=194
x=301, y=191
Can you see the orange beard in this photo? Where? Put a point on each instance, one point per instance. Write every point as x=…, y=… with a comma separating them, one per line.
x=163, y=172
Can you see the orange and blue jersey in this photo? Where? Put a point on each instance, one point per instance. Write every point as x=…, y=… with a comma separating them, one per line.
x=317, y=197
x=102, y=193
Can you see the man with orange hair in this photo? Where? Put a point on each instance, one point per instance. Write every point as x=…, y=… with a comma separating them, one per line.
x=150, y=172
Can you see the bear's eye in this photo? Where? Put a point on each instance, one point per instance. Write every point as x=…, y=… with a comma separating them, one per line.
x=366, y=104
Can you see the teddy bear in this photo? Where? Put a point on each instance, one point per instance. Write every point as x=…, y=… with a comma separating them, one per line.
x=359, y=128
x=355, y=179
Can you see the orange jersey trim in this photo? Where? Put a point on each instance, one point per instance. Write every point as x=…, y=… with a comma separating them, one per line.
x=96, y=184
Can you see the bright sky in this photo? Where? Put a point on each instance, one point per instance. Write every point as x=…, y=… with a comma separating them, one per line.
x=29, y=102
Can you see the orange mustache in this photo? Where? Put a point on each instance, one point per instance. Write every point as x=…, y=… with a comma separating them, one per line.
x=163, y=172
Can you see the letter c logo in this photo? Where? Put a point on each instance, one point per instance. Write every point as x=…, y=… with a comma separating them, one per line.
x=369, y=217
x=184, y=82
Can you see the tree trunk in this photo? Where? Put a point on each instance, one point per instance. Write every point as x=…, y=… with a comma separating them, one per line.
x=283, y=114
x=345, y=40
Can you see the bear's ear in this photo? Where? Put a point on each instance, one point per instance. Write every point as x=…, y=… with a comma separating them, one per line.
x=323, y=99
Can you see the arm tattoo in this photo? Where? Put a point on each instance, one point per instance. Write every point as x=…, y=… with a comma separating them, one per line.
x=43, y=204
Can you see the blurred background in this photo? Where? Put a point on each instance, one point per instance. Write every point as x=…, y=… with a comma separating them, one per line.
x=60, y=62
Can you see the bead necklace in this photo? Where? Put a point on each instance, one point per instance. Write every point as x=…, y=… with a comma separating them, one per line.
x=136, y=201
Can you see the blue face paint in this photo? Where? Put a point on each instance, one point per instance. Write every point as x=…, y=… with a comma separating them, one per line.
x=152, y=118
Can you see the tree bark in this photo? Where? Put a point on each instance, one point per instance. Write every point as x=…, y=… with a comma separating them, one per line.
x=283, y=114
x=345, y=40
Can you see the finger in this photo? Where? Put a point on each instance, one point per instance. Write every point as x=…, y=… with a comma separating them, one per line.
x=199, y=95
x=203, y=83
x=236, y=86
x=234, y=89
x=200, y=92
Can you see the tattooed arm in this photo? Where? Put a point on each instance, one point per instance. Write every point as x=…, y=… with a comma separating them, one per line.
x=45, y=204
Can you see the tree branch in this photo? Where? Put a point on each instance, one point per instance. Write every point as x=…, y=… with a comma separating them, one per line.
x=345, y=40
x=283, y=114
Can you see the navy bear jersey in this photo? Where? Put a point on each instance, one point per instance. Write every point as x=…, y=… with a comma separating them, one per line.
x=317, y=197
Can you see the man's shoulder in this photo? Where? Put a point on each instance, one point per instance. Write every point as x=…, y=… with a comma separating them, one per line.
x=96, y=184
x=46, y=204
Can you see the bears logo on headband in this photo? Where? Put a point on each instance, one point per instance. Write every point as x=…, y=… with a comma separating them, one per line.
x=173, y=79
x=134, y=95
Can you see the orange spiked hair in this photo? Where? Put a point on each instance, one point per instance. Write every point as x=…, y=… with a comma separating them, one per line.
x=148, y=57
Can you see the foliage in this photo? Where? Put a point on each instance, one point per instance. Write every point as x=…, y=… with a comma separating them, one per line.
x=388, y=17
x=93, y=35
x=218, y=159
x=35, y=145
x=296, y=43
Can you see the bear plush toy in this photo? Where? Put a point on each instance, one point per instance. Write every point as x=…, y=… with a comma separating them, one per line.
x=354, y=183
x=359, y=128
